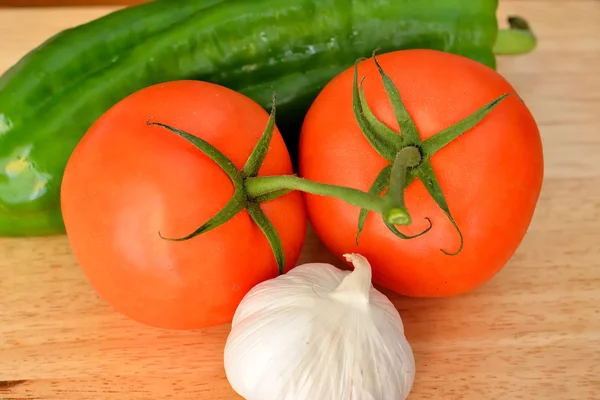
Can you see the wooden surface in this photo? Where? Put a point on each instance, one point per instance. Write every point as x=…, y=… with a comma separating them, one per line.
x=65, y=3
x=533, y=332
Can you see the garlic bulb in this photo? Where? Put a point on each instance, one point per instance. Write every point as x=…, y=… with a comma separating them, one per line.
x=319, y=333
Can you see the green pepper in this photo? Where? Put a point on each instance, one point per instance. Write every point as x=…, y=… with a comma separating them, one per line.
x=51, y=97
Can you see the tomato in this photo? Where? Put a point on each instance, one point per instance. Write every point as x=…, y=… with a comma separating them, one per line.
x=491, y=176
x=128, y=182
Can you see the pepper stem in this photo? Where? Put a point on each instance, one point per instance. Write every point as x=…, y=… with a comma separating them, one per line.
x=517, y=39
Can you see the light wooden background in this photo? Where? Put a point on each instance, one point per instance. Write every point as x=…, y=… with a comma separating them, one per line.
x=531, y=333
x=64, y=3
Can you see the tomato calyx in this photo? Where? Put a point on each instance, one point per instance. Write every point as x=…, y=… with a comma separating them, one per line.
x=240, y=200
x=408, y=155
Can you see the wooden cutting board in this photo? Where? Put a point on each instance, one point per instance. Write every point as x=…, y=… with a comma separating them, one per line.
x=533, y=332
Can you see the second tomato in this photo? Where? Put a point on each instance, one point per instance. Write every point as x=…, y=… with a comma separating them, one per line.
x=487, y=179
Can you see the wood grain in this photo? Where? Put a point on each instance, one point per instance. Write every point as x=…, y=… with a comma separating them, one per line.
x=533, y=332
x=68, y=3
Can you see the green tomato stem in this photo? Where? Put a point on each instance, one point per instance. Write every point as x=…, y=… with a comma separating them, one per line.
x=391, y=206
x=409, y=156
x=262, y=185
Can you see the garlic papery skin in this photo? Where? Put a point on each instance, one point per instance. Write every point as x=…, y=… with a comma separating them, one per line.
x=319, y=333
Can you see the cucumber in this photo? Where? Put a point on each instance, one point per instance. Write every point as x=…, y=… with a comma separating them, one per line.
x=52, y=96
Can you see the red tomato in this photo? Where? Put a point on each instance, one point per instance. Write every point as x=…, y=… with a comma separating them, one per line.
x=127, y=181
x=491, y=176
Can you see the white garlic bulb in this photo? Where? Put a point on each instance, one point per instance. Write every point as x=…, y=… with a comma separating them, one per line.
x=319, y=333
